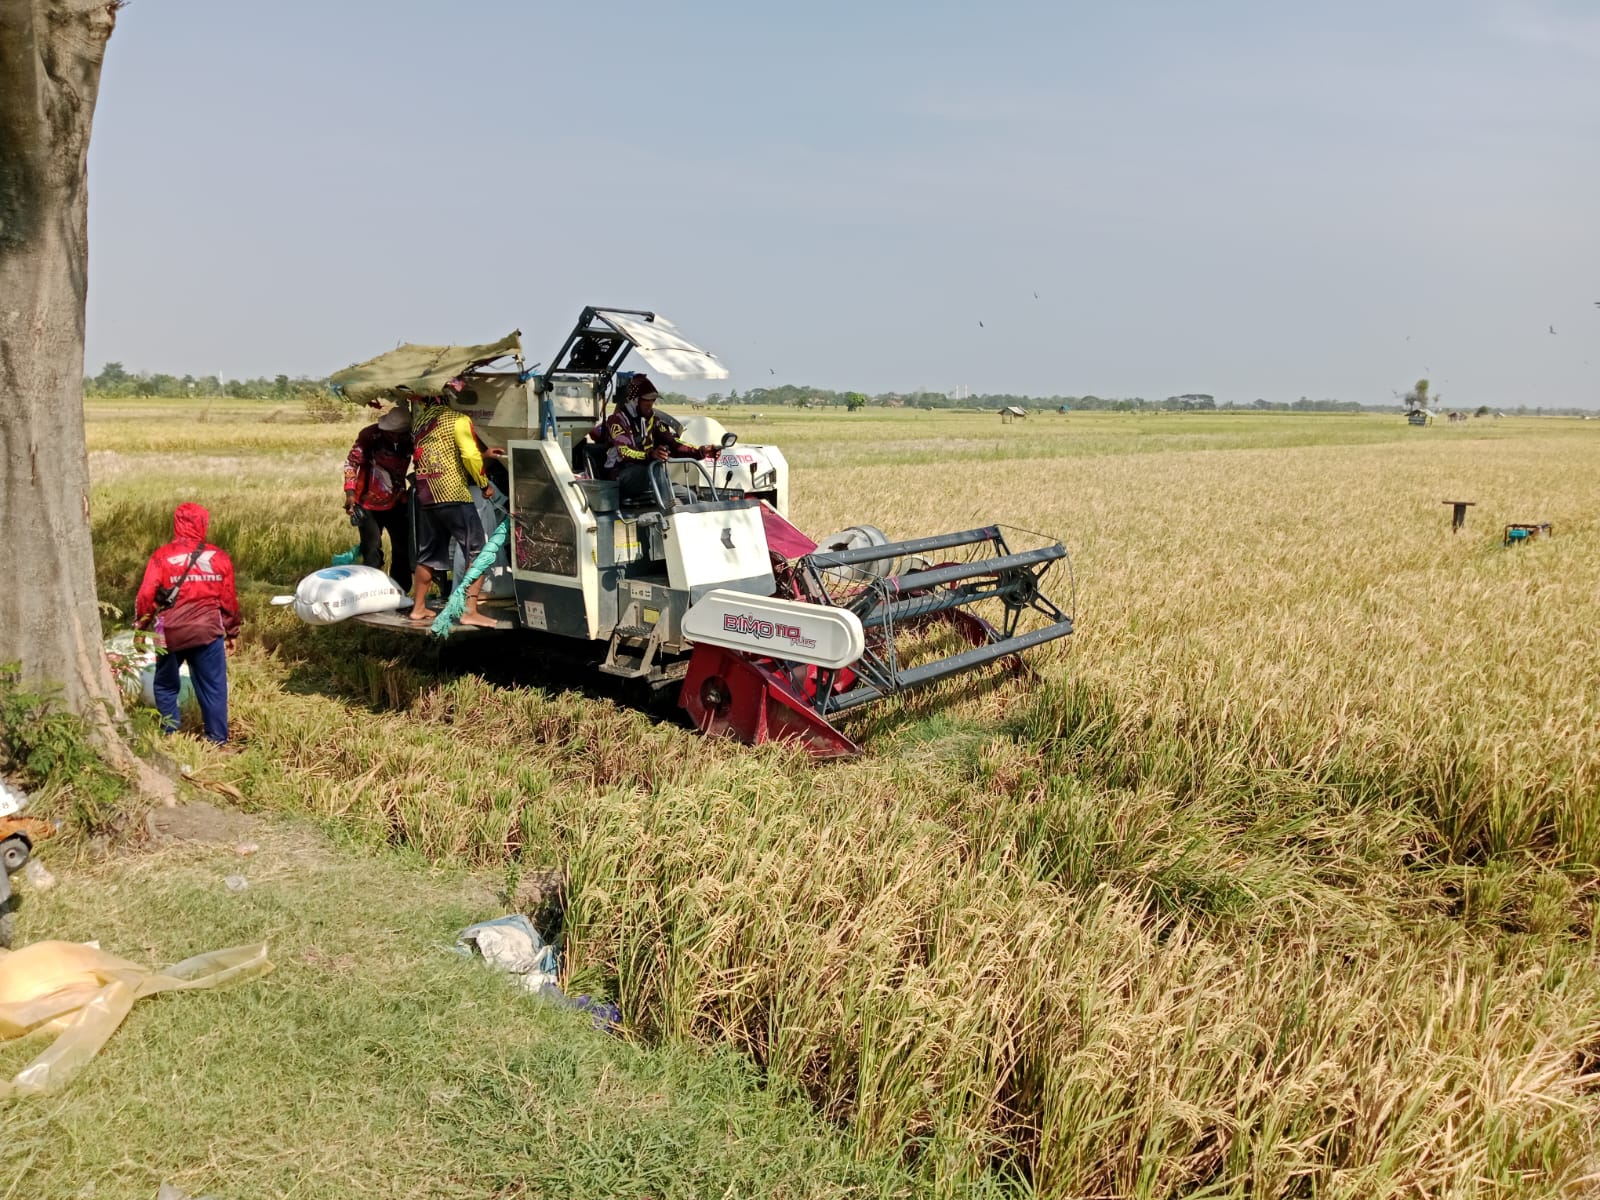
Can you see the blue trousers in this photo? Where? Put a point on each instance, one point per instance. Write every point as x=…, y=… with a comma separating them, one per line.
x=208, y=672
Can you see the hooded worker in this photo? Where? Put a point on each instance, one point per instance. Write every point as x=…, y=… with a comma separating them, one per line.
x=188, y=599
x=375, y=493
x=635, y=435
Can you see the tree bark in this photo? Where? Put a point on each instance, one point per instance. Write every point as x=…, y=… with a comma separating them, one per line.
x=50, y=57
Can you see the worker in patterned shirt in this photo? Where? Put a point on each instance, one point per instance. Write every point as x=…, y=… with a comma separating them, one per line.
x=448, y=462
x=635, y=437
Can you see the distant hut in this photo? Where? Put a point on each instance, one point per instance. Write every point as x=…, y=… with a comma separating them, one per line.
x=1012, y=412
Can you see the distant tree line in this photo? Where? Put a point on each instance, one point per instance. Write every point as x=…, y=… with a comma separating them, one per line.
x=800, y=396
x=115, y=380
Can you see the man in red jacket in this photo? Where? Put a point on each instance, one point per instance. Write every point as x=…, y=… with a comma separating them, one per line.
x=188, y=598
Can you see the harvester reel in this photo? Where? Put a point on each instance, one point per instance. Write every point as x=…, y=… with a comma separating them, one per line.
x=893, y=588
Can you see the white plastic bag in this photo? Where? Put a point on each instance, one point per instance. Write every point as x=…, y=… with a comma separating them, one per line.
x=337, y=593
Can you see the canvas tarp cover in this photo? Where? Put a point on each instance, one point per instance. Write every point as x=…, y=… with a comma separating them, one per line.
x=411, y=370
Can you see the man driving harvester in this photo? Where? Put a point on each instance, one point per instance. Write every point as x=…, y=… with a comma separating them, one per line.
x=636, y=438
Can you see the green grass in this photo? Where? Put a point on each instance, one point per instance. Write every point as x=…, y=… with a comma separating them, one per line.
x=373, y=1061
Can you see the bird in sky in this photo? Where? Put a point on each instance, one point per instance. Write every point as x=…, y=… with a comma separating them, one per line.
x=1552, y=329
x=770, y=371
x=1036, y=296
x=980, y=324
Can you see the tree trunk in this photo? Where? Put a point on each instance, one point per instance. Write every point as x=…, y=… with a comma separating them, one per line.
x=50, y=56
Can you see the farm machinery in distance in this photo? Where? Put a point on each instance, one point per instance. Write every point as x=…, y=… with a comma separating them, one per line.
x=705, y=586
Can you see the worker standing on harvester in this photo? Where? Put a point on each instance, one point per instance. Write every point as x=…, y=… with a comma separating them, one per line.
x=375, y=495
x=635, y=438
x=447, y=461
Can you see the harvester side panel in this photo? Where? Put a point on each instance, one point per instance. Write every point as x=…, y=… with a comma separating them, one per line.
x=718, y=544
x=554, y=544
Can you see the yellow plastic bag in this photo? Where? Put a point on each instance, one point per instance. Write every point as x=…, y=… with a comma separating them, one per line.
x=85, y=993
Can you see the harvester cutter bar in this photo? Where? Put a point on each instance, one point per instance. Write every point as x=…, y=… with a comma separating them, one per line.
x=967, y=660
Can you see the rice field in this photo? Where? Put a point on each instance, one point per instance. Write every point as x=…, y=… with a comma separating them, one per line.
x=1277, y=878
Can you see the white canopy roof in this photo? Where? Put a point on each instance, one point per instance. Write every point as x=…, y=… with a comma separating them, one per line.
x=659, y=344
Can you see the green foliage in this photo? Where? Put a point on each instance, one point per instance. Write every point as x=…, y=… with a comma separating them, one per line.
x=42, y=746
x=116, y=380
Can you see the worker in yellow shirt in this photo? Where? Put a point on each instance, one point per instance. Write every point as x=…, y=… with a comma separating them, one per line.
x=447, y=461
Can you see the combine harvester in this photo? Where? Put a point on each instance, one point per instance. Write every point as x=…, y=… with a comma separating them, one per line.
x=705, y=586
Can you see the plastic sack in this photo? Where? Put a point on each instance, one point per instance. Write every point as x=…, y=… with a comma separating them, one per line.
x=82, y=993
x=511, y=944
x=133, y=666
x=337, y=593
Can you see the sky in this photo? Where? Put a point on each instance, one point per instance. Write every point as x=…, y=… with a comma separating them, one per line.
x=1245, y=198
